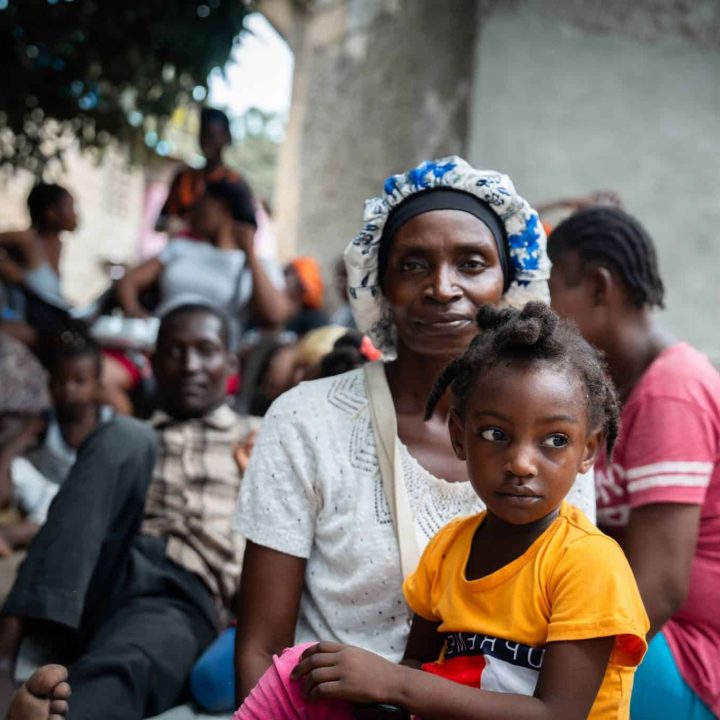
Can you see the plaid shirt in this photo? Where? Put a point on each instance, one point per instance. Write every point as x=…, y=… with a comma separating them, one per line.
x=191, y=499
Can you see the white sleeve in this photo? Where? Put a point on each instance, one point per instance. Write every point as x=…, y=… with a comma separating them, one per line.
x=582, y=494
x=278, y=502
x=32, y=492
x=274, y=272
x=174, y=248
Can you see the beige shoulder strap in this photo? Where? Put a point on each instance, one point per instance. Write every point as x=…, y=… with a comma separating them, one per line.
x=384, y=423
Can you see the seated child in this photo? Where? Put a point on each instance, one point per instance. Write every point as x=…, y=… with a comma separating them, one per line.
x=25, y=495
x=75, y=365
x=525, y=610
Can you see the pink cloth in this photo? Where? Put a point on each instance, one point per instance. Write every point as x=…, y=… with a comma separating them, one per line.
x=669, y=452
x=277, y=697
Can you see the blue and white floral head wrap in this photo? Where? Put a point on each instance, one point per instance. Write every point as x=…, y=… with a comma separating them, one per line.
x=525, y=237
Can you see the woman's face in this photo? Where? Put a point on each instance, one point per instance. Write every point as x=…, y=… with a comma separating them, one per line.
x=208, y=216
x=442, y=266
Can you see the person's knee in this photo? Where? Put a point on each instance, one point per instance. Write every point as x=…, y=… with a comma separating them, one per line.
x=212, y=681
x=124, y=440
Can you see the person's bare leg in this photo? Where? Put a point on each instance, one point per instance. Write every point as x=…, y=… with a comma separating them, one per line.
x=43, y=697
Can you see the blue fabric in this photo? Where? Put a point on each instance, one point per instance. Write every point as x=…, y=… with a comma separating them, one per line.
x=659, y=691
x=212, y=681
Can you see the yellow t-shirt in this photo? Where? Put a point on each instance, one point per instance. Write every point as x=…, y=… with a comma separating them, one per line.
x=572, y=583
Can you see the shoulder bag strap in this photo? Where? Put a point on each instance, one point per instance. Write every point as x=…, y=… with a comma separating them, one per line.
x=384, y=423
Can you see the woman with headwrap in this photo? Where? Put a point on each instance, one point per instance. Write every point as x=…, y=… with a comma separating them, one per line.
x=334, y=507
x=306, y=290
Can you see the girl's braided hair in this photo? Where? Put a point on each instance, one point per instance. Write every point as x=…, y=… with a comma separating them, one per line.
x=610, y=236
x=532, y=334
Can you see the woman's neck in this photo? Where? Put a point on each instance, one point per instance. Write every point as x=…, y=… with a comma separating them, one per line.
x=635, y=345
x=411, y=378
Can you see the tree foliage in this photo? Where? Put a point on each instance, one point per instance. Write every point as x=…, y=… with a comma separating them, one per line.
x=101, y=70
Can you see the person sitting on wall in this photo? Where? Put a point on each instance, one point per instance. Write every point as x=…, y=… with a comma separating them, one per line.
x=136, y=566
x=189, y=183
x=660, y=495
x=30, y=259
x=35, y=306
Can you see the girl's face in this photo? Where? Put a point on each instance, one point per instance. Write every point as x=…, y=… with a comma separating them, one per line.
x=524, y=437
x=75, y=384
x=442, y=266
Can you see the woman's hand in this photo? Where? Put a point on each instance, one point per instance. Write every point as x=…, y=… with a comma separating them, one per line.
x=243, y=235
x=331, y=670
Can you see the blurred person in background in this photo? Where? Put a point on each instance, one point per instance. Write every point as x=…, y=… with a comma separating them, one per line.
x=220, y=267
x=136, y=568
x=75, y=366
x=350, y=351
x=35, y=306
x=25, y=495
x=306, y=290
x=30, y=259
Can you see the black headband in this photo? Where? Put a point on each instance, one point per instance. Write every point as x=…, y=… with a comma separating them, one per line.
x=444, y=199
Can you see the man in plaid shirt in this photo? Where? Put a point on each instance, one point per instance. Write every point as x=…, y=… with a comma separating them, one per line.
x=137, y=565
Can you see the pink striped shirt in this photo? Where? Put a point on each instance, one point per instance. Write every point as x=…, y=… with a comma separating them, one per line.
x=669, y=452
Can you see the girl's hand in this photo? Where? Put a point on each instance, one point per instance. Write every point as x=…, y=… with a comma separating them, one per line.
x=331, y=670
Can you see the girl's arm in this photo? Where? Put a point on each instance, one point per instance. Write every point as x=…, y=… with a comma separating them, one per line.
x=24, y=242
x=569, y=682
x=660, y=543
x=268, y=604
x=27, y=254
x=133, y=282
x=424, y=643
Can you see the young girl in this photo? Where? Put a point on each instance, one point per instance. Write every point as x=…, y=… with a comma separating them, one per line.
x=525, y=610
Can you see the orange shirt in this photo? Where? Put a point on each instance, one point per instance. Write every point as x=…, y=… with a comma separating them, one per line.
x=189, y=184
x=572, y=583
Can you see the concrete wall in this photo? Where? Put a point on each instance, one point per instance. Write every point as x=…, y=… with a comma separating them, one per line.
x=379, y=85
x=571, y=97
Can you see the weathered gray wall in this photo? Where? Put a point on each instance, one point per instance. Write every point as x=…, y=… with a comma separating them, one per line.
x=571, y=97
x=390, y=91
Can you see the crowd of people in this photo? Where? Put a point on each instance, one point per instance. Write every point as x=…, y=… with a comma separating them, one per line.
x=486, y=485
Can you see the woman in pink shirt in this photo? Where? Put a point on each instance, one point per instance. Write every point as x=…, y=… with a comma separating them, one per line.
x=660, y=494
